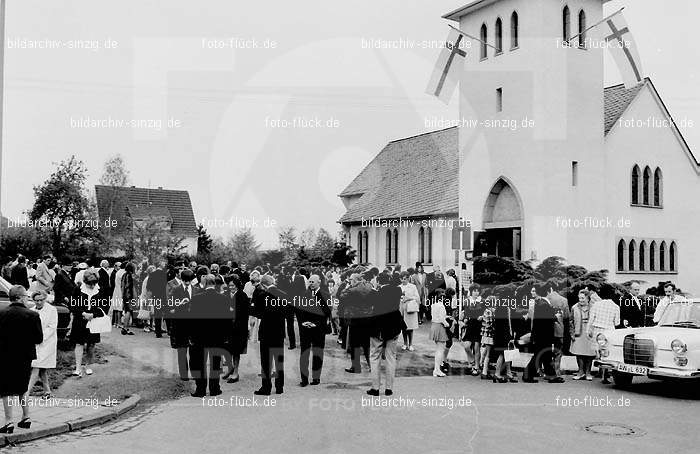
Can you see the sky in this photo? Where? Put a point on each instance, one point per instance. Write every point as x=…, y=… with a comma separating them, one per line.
x=263, y=111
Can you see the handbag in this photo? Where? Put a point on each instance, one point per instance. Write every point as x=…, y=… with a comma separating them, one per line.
x=412, y=307
x=511, y=353
x=144, y=314
x=100, y=325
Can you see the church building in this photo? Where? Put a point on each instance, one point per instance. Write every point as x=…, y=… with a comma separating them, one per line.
x=600, y=176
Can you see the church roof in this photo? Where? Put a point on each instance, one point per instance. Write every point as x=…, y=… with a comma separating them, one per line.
x=412, y=177
x=122, y=203
x=418, y=176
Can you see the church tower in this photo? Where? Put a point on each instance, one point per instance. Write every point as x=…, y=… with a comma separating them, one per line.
x=532, y=158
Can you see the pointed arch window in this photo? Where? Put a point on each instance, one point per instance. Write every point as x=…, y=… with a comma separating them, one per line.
x=429, y=244
x=566, y=24
x=652, y=256
x=658, y=177
x=421, y=245
x=582, y=29
x=389, y=248
x=642, y=255
x=632, y=255
x=396, y=246
x=645, y=185
x=359, y=247
x=499, y=36
x=635, y=185
x=662, y=256
x=672, y=257
x=484, y=35
x=621, y=255
x=365, y=245
x=514, y=31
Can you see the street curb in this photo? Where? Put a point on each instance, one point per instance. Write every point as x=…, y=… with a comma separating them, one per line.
x=77, y=424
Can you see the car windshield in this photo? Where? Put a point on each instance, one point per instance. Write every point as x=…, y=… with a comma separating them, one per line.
x=682, y=313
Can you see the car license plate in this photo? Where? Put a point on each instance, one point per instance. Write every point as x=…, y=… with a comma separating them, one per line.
x=636, y=370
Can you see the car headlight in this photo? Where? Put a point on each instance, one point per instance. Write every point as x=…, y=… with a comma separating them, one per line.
x=601, y=339
x=678, y=347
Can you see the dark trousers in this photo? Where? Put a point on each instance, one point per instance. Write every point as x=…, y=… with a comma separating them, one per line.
x=182, y=366
x=268, y=354
x=312, y=342
x=424, y=312
x=541, y=355
x=200, y=358
x=343, y=335
x=289, y=318
x=158, y=323
x=359, y=344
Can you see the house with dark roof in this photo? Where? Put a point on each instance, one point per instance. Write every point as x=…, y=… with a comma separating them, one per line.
x=170, y=210
x=545, y=162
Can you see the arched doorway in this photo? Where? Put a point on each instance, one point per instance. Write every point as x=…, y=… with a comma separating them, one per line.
x=503, y=222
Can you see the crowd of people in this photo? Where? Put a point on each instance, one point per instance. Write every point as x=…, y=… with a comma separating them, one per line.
x=211, y=312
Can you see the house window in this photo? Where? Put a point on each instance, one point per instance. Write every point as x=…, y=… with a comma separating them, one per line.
x=652, y=256
x=499, y=36
x=359, y=247
x=582, y=29
x=642, y=255
x=621, y=255
x=499, y=100
x=365, y=241
x=421, y=245
x=645, y=186
x=662, y=256
x=484, y=39
x=429, y=241
x=657, y=187
x=566, y=25
x=574, y=173
x=635, y=185
x=514, y=31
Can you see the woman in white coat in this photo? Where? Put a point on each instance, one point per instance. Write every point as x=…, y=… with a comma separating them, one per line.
x=46, y=351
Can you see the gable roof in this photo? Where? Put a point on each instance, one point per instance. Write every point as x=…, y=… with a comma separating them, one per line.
x=131, y=201
x=430, y=162
x=412, y=177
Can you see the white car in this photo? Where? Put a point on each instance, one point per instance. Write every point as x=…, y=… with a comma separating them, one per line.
x=669, y=350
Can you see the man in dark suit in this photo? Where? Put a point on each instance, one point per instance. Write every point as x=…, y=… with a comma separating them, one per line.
x=632, y=310
x=20, y=332
x=210, y=320
x=284, y=283
x=103, y=278
x=384, y=328
x=18, y=275
x=157, y=285
x=268, y=305
x=358, y=300
x=180, y=292
x=313, y=312
x=63, y=286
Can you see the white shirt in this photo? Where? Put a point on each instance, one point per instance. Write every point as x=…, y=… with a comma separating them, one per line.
x=663, y=304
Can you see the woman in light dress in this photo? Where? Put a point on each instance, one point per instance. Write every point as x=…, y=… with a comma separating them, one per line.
x=117, y=302
x=146, y=302
x=581, y=344
x=46, y=351
x=410, y=295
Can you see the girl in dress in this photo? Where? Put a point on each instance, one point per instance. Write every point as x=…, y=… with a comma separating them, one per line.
x=46, y=351
x=581, y=345
x=438, y=332
x=410, y=300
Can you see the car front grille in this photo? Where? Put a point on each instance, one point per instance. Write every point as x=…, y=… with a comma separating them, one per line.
x=638, y=352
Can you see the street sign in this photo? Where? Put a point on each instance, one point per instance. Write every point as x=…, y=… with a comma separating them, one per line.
x=462, y=238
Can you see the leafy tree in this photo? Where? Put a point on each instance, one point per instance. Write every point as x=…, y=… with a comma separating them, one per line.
x=60, y=201
x=115, y=173
x=307, y=238
x=22, y=240
x=149, y=240
x=324, y=246
x=244, y=246
x=274, y=257
x=288, y=242
x=343, y=255
x=204, y=241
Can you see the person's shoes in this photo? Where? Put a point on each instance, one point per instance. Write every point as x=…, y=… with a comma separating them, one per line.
x=262, y=392
x=124, y=332
x=373, y=392
x=512, y=379
x=25, y=423
x=279, y=390
x=158, y=336
x=500, y=379
x=411, y=349
x=130, y=333
x=304, y=383
x=589, y=378
x=475, y=372
x=146, y=329
x=315, y=382
x=351, y=370
x=606, y=381
x=530, y=380
x=88, y=371
x=404, y=347
x=199, y=394
x=216, y=392
x=388, y=392
x=439, y=373
x=577, y=377
x=485, y=377
x=556, y=380
x=233, y=380
x=7, y=428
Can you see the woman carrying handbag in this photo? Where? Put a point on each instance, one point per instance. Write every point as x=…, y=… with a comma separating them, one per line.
x=90, y=303
x=503, y=343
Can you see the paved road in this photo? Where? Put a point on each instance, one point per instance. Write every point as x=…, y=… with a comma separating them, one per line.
x=452, y=415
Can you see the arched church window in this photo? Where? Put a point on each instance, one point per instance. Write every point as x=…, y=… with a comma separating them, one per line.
x=621, y=255
x=635, y=185
x=389, y=249
x=566, y=24
x=484, y=39
x=632, y=255
x=645, y=186
x=514, y=31
x=652, y=256
x=662, y=256
x=582, y=29
x=642, y=255
x=657, y=187
x=672, y=257
x=499, y=36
